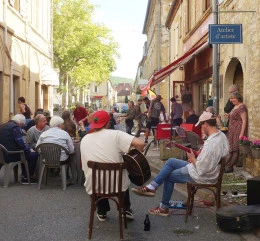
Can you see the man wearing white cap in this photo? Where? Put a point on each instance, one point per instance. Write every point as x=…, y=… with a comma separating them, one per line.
x=201, y=169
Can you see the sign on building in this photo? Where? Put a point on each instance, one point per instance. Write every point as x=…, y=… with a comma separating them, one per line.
x=225, y=33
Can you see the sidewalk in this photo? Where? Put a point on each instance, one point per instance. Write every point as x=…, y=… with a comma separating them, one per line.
x=156, y=163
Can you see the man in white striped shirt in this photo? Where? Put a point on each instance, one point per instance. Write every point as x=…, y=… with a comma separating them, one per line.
x=201, y=169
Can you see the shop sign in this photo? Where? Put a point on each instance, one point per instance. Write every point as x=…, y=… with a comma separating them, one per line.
x=225, y=33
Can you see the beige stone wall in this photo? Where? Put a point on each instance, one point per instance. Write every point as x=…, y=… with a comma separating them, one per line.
x=151, y=62
x=248, y=54
x=29, y=46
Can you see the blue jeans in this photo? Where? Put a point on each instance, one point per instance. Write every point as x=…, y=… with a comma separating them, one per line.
x=174, y=171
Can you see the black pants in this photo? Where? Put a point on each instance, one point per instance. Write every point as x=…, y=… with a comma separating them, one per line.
x=103, y=205
x=129, y=126
x=177, y=122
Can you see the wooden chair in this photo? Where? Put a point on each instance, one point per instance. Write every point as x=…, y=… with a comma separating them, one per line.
x=12, y=165
x=50, y=158
x=147, y=148
x=192, y=188
x=107, y=183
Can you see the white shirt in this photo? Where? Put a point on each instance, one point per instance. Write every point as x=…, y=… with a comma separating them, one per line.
x=207, y=168
x=57, y=136
x=104, y=146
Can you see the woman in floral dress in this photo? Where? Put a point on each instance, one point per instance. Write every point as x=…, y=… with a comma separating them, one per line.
x=237, y=128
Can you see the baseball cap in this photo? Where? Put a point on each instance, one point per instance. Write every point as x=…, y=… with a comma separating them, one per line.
x=204, y=117
x=159, y=97
x=100, y=118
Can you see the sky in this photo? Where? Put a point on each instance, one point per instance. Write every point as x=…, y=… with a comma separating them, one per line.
x=125, y=18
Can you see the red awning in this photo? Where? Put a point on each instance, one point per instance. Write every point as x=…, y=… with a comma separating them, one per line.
x=97, y=97
x=145, y=88
x=166, y=71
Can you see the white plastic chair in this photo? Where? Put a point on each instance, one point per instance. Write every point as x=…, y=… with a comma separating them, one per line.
x=50, y=158
x=8, y=167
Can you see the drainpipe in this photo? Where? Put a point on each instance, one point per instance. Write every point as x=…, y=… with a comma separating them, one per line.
x=159, y=41
x=215, y=60
x=169, y=61
x=11, y=62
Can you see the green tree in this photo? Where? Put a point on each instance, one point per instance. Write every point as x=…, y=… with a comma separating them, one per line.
x=83, y=51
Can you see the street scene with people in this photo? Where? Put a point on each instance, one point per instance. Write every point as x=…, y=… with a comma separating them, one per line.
x=96, y=143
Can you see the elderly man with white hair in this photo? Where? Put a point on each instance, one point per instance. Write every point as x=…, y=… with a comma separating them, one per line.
x=57, y=136
x=34, y=132
x=11, y=138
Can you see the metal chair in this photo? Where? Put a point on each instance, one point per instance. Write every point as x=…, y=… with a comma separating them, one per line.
x=185, y=142
x=13, y=165
x=50, y=158
x=195, y=140
x=107, y=183
x=192, y=188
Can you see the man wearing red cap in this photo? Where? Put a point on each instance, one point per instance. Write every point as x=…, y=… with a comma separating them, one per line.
x=106, y=145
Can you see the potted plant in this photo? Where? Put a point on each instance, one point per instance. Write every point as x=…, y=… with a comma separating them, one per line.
x=255, y=148
x=244, y=145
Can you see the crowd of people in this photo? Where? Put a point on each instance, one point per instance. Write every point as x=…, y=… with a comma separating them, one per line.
x=99, y=126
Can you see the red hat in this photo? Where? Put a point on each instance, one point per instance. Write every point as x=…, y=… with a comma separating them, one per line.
x=100, y=118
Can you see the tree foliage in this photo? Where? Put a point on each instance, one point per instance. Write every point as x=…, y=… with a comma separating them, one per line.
x=83, y=50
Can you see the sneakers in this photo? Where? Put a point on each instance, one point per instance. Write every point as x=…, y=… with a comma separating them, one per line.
x=159, y=212
x=32, y=181
x=146, y=141
x=102, y=217
x=129, y=214
x=145, y=191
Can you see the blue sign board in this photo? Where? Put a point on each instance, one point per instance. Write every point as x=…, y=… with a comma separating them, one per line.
x=225, y=33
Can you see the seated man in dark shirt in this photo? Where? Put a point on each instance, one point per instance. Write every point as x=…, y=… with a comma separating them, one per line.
x=11, y=138
x=32, y=122
x=192, y=118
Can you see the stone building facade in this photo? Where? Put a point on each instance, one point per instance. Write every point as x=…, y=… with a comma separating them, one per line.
x=191, y=58
x=157, y=45
x=188, y=24
x=25, y=55
x=240, y=63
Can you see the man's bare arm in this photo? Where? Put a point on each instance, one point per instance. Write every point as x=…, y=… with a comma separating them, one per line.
x=138, y=144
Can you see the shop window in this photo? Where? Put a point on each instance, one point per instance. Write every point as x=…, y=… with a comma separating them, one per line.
x=207, y=4
x=205, y=95
x=188, y=20
x=11, y=2
x=16, y=5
